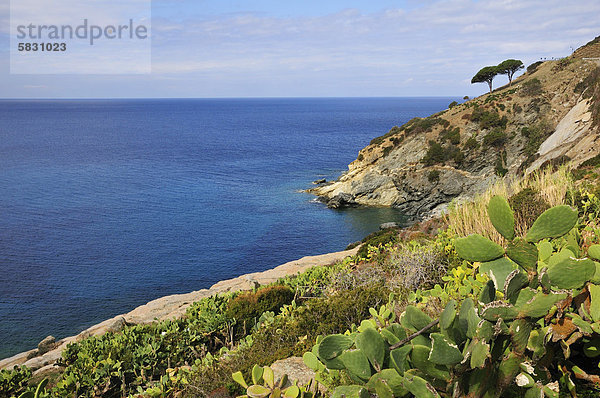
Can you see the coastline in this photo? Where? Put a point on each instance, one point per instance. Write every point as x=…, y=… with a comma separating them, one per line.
x=168, y=307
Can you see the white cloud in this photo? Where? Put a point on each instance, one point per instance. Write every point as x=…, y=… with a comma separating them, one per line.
x=429, y=48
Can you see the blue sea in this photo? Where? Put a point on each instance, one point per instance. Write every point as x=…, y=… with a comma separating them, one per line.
x=108, y=204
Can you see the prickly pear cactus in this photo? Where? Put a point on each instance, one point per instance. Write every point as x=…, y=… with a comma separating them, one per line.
x=502, y=217
x=532, y=331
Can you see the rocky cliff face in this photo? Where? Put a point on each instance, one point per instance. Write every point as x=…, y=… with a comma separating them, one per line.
x=548, y=115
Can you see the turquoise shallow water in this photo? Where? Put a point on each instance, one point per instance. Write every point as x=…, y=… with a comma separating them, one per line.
x=107, y=204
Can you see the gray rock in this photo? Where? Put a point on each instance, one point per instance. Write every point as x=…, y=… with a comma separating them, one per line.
x=295, y=369
x=320, y=181
x=387, y=225
x=48, y=344
x=341, y=201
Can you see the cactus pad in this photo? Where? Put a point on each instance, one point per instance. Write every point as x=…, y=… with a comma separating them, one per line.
x=420, y=360
x=393, y=380
x=414, y=319
x=488, y=293
x=333, y=345
x=356, y=362
x=594, y=302
x=499, y=310
x=444, y=352
x=478, y=248
x=501, y=216
x=480, y=352
x=594, y=252
x=519, y=334
x=538, y=305
x=545, y=250
x=448, y=315
x=552, y=223
x=398, y=358
x=351, y=392
x=419, y=387
x=373, y=346
x=515, y=281
x=571, y=273
x=498, y=270
x=523, y=253
x=312, y=361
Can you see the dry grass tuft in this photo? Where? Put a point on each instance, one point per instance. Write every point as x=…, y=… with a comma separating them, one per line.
x=472, y=218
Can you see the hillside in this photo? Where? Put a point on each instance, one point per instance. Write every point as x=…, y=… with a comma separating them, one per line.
x=549, y=115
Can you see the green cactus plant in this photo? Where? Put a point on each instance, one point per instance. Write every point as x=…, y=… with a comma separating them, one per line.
x=351, y=392
x=502, y=217
x=538, y=313
x=373, y=346
x=571, y=273
x=594, y=252
x=478, y=248
x=265, y=386
x=357, y=364
x=552, y=223
x=523, y=253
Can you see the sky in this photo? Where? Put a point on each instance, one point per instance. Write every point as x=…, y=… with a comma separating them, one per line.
x=326, y=48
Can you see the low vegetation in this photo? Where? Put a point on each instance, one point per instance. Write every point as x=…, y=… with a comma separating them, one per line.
x=427, y=316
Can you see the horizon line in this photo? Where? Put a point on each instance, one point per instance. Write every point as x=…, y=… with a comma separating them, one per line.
x=220, y=98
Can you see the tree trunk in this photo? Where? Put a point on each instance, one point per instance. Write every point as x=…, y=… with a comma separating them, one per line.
x=490, y=84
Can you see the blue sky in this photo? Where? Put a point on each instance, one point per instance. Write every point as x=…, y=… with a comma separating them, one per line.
x=268, y=48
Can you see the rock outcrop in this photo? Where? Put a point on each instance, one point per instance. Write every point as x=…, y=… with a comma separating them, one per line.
x=545, y=117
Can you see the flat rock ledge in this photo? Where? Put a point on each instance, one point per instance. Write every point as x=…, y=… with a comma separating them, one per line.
x=169, y=307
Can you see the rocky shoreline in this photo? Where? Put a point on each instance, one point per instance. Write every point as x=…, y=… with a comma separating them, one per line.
x=42, y=359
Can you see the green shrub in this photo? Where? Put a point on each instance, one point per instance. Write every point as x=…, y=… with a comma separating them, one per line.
x=418, y=125
x=290, y=336
x=435, y=154
x=586, y=86
x=593, y=162
x=452, y=104
x=531, y=88
x=397, y=140
x=488, y=119
x=458, y=156
x=517, y=108
x=499, y=168
x=527, y=205
x=453, y=135
x=393, y=131
x=433, y=176
x=377, y=238
x=496, y=138
x=387, y=150
x=471, y=143
x=246, y=308
x=533, y=67
x=14, y=382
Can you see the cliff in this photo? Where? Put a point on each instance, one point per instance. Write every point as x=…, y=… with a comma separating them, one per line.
x=548, y=115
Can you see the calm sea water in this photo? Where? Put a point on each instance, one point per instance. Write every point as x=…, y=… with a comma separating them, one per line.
x=107, y=204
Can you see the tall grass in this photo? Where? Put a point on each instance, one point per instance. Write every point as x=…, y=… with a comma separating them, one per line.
x=471, y=217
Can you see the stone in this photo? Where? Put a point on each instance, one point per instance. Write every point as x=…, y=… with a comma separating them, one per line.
x=295, y=369
x=341, y=201
x=48, y=344
x=387, y=225
x=320, y=181
x=47, y=371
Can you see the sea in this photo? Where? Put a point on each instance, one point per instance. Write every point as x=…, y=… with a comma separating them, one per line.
x=108, y=204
